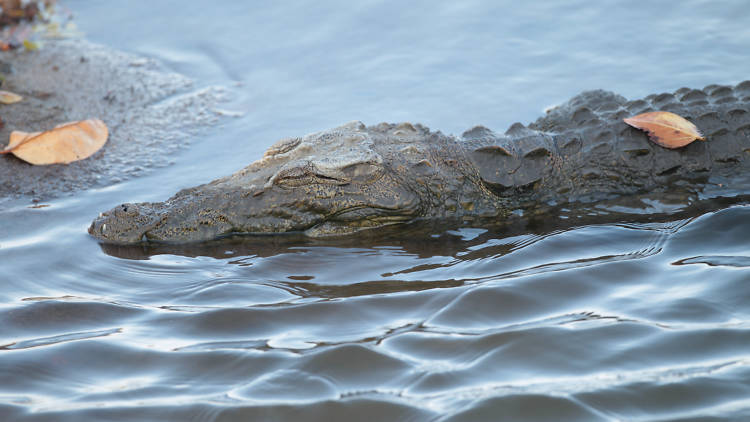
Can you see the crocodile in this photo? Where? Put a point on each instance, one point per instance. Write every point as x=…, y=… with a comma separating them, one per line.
x=357, y=177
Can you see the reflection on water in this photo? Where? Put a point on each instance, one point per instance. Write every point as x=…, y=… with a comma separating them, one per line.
x=635, y=309
x=461, y=324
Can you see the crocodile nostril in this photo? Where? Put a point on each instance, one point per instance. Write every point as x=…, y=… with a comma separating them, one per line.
x=126, y=211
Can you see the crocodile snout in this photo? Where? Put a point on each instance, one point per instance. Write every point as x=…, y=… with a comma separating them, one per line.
x=126, y=223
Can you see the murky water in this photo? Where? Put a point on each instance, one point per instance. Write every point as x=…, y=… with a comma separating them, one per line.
x=629, y=320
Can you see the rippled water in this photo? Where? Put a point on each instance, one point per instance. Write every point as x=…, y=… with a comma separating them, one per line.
x=636, y=319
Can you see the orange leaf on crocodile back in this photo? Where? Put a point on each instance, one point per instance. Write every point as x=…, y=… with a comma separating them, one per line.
x=666, y=129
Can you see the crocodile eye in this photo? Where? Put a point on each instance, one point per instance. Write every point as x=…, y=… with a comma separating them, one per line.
x=302, y=176
x=295, y=173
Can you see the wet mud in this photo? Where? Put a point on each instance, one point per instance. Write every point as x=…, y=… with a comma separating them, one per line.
x=150, y=111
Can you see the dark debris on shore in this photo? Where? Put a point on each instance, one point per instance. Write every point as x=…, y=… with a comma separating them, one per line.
x=16, y=19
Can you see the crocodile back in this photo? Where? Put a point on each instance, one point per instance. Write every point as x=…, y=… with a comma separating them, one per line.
x=582, y=150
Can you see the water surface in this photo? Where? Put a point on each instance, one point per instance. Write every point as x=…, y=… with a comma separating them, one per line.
x=633, y=319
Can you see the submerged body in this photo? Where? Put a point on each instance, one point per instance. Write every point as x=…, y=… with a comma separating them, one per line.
x=355, y=177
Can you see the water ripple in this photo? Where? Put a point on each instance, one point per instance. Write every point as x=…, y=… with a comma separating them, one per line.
x=48, y=341
x=717, y=261
x=560, y=317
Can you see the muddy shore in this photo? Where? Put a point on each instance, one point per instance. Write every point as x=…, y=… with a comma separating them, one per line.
x=150, y=111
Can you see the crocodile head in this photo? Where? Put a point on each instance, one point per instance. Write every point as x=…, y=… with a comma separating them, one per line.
x=327, y=183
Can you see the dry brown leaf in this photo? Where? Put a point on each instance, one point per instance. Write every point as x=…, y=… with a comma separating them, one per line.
x=64, y=144
x=7, y=97
x=666, y=129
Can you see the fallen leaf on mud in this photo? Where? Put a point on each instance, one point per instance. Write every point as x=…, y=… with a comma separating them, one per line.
x=666, y=129
x=30, y=45
x=7, y=97
x=64, y=144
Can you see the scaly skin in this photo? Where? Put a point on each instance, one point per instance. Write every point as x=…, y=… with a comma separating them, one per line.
x=355, y=177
